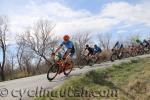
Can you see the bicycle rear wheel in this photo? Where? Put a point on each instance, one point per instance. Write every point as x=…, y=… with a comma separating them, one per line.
x=113, y=57
x=52, y=72
x=90, y=62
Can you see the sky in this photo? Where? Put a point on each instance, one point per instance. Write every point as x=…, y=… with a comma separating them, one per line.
x=123, y=17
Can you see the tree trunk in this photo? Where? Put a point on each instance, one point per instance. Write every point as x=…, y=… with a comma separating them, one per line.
x=2, y=74
x=3, y=63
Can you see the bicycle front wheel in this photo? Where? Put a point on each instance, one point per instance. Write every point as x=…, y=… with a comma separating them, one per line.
x=52, y=72
x=83, y=62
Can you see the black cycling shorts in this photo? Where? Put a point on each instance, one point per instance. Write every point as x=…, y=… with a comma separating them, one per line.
x=72, y=52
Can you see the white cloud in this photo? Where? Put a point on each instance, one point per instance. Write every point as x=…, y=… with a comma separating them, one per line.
x=121, y=31
x=51, y=10
x=130, y=14
x=54, y=9
x=90, y=24
x=70, y=21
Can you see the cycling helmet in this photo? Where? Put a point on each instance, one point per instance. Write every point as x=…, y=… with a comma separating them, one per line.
x=95, y=45
x=144, y=40
x=87, y=45
x=66, y=37
x=138, y=41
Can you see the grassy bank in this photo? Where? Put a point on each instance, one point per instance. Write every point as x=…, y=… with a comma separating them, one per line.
x=127, y=81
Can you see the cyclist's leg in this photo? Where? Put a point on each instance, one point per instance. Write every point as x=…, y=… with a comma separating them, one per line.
x=69, y=55
x=65, y=56
x=121, y=48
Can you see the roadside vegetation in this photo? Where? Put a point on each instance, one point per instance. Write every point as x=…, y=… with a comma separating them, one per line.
x=127, y=81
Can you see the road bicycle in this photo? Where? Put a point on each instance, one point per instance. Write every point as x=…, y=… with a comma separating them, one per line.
x=116, y=54
x=59, y=66
x=88, y=60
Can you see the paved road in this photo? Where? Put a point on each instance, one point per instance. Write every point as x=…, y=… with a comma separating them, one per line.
x=21, y=89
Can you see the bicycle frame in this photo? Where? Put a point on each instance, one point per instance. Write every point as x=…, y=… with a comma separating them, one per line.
x=61, y=64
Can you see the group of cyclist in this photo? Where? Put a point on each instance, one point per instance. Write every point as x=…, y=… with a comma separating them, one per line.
x=92, y=51
x=138, y=44
x=65, y=63
x=145, y=42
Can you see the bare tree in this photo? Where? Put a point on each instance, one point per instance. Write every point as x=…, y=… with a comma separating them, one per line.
x=81, y=39
x=105, y=40
x=10, y=63
x=27, y=62
x=20, y=51
x=40, y=39
x=3, y=32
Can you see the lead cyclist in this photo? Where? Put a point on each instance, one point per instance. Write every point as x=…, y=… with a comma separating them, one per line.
x=70, y=49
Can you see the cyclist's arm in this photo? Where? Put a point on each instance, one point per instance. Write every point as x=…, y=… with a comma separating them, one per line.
x=115, y=45
x=58, y=49
x=61, y=45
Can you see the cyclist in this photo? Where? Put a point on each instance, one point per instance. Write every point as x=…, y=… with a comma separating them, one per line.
x=139, y=42
x=97, y=50
x=70, y=48
x=140, y=45
x=90, y=50
x=118, y=46
x=145, y=43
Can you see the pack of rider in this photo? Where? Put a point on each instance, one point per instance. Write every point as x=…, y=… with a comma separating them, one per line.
x=93, y=50
x=144, y=43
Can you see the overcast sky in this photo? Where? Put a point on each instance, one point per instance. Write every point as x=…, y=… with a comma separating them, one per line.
x=71, y=16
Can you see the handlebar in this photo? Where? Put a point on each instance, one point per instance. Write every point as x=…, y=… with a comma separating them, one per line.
x=56, y=56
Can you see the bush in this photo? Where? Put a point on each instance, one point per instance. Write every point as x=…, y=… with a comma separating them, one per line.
x=105, y=55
